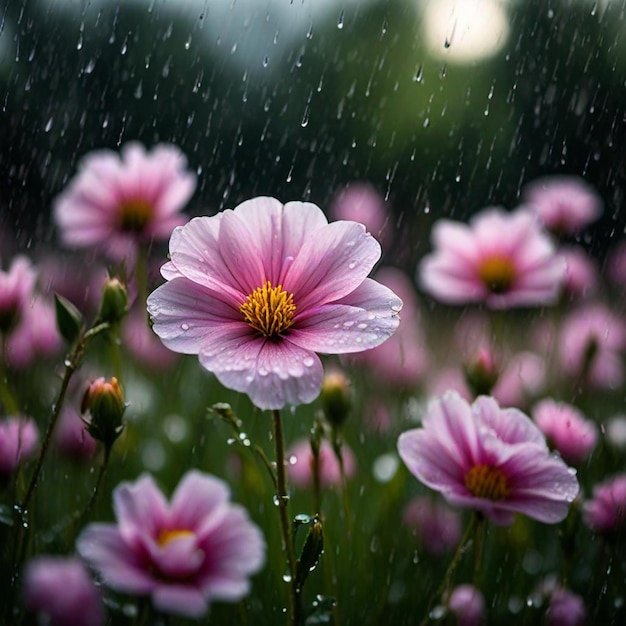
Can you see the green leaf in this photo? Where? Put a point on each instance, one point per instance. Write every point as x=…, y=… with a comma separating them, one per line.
x=311, y=552
x=69, y=319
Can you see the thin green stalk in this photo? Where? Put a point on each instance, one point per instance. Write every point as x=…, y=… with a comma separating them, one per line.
x=99, y=481
x=479, y=547
x=7, y=397
x=344, y=483
x=282, y=502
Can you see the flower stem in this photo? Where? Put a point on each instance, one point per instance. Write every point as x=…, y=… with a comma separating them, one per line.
x=337, y=445
x=282, y=501
x=479, y=545
x=99, y=480
x=446, y=583
x=7, y=397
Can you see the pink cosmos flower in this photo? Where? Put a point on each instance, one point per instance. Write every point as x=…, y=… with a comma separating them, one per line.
x=117, y=202
x=402, y=361
x=144, y=345
x=502, y=259
x=522, y=377
x=494, y=460
x=468, y=605
x=62, y=592
x=566, y=609
x=565, y=204
x=436, y=525
x=257, y=291
x=591, y=344
x=18, y=440
x=16, y=291
x=606, y=511
x=301, y=464
x=71, y=436
x=581, y=272
x=184, y=553
x=566, y=427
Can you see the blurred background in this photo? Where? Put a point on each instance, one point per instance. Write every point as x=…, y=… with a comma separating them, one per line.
x=444, y=106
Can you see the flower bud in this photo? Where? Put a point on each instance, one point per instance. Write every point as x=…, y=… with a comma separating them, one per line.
x=114, y=303
x=482, y=374
x=336, y=397
x=104, y=400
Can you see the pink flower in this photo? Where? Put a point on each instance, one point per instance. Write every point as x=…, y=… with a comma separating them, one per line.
x=494, y=460
x=16, y=292
x=436, y=525
x=257, y=291
x=606, y=511
x=18, y=440
x=117, y=202
x=401, y=361
x=184, y=553
x=61, y=590
x=566, y=609
x=502, y=259
x=71, y=436
x=144, y=345
x=565, y=204
x=566, y=427
x=360, y=202
x=523, y=376
x=581, y=272
x=301, y=464
x=468, y=605
x=591, y=344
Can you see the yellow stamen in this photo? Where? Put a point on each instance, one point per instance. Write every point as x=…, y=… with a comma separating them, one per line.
x=498, y=273
x=165, y=536
x=485, y=481
x=269, y=310
x=134, y=215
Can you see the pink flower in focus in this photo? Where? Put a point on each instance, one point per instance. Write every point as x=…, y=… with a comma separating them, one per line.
x=62, y=592
x=606, y=511
x=566, y=609
x=436, y=525
x=257, y=291
x=71, y=436
x=591, y=344
x=468, y=605
x=402, y=361
x=16, y=291
x=566, y=428
x=502, y=259
x=117, y=202
x=360, y=202
x=18, y=440
x=494, y=460
x=184, y=553
x=301, y=464
x=565, y=204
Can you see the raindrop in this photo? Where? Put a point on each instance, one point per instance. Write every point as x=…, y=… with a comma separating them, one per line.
x=419, y=74
x=184, y=326
x=341, y=19
x=287, y=578
x=139, y=91
x=48, y=125
x=188, y=43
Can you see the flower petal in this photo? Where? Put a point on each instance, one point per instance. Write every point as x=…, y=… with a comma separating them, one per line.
x=180, y=599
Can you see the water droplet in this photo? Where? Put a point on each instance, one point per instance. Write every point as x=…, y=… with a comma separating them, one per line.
x=184, y=326
x=287, y=578
x=308, y=361
x=419, y=74
x=341, y=19
x=48, y=125
x=352, y=265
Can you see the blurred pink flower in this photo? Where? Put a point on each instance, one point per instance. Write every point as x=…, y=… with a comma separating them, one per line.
x=35, y=336
x=62, y=592
x=566, y=428
x=300, y=465
x=71, y=436
x=117, y=202
x=606, y=511
x=402, y=361
x=494, y=460
x=257, y=291
x=591, y=346
x=185, y=553
x=566, y=609
x=468, y=605
x=616, y=264
x=360, y=202
x=581, y=273
x=565, y=204
x=16, y=291
x=502, y=259
x=522, y=377
x=144, y=345
x=18, y=440
x=436, y=525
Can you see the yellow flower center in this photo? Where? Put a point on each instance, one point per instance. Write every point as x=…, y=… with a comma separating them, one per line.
x=165, y=536
x=269, y=310
x=485, y=481
x=134, y=215
x=497, y=273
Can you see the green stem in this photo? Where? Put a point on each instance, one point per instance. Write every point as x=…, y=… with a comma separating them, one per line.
x=337, y=444
x=7, y=397
x=479, y=545
x=282, y=502
x=99, y=480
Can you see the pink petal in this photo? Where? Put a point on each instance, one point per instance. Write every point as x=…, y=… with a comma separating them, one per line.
x=178, y=558
x=180, y=599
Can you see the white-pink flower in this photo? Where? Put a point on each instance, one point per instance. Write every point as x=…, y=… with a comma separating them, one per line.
x=18, y=439
x=565, y=204
x=119, y=201
x=502, y=259
x=490, y=459
x=185, y=553
x=16, y=292
x=257, y=291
